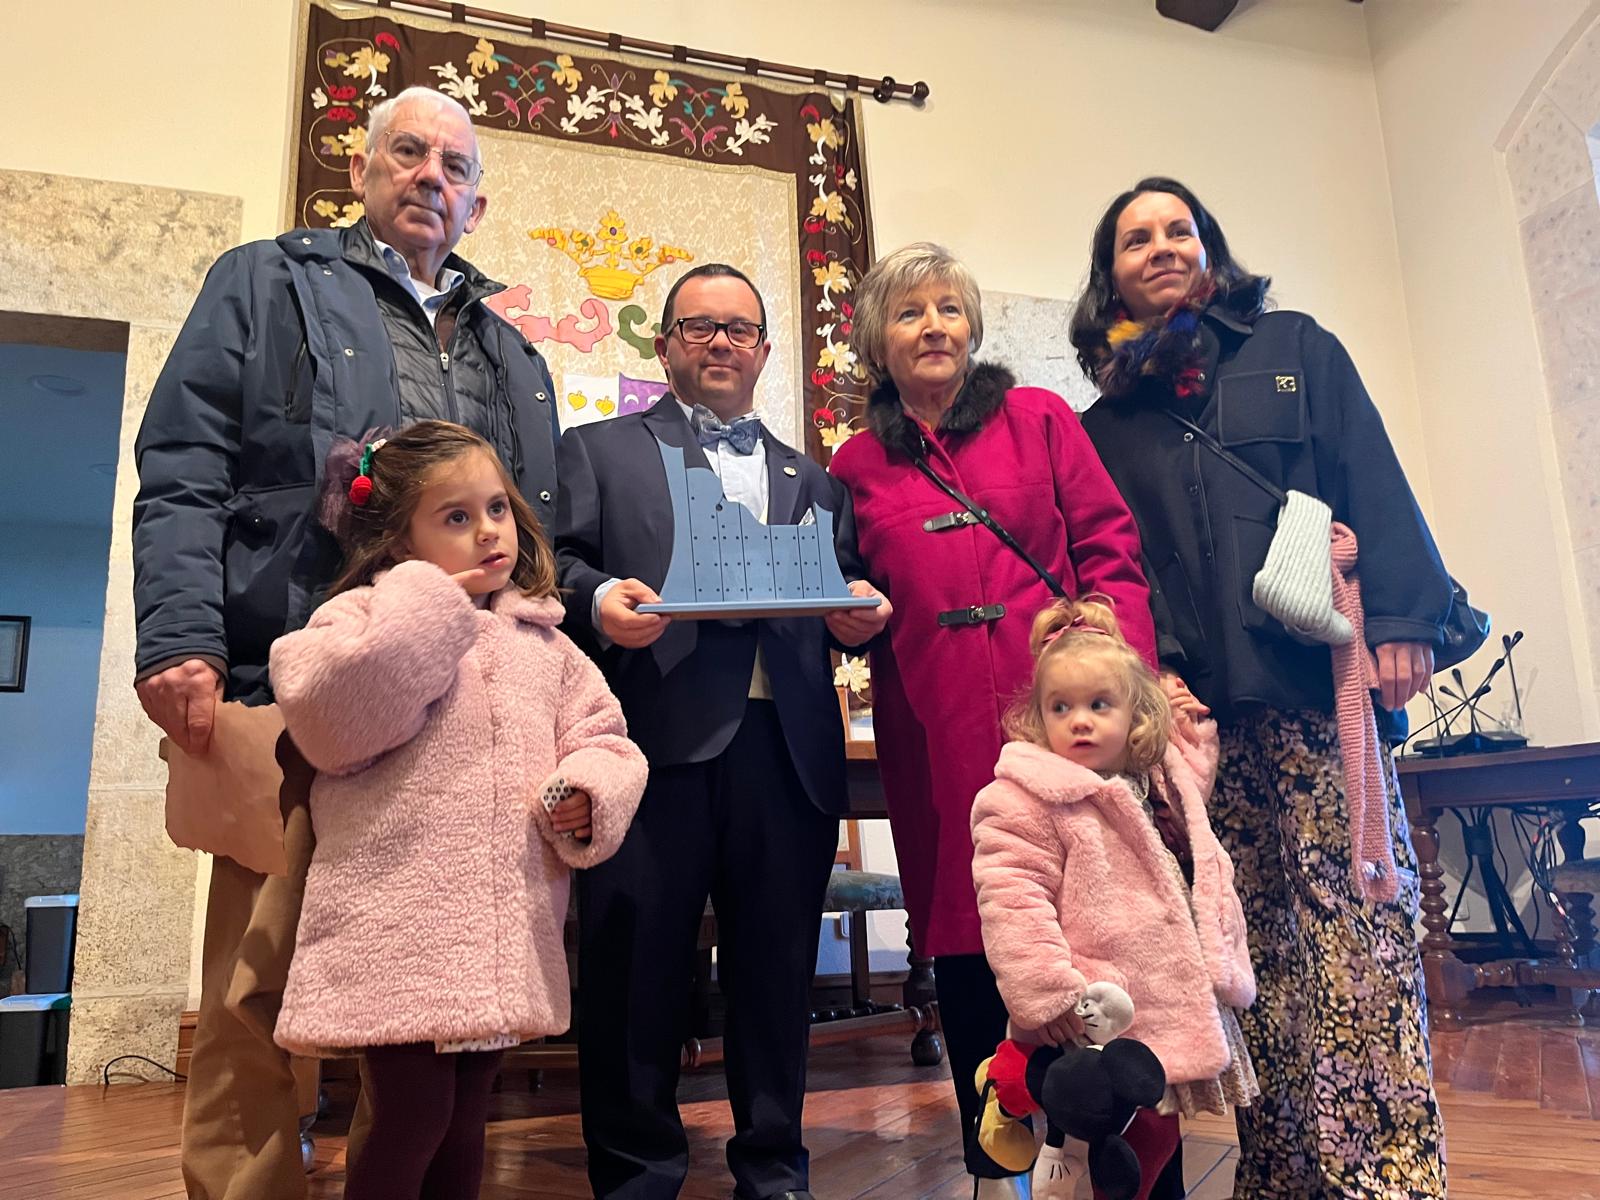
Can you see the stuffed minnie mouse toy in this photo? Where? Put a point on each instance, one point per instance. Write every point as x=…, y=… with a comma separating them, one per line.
x=1088, y=1095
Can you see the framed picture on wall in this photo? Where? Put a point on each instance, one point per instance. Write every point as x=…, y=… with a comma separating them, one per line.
x=13, y=652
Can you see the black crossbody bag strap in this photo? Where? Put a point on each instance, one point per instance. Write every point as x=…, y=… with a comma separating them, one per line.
x=1233, y=460
x=983, y=518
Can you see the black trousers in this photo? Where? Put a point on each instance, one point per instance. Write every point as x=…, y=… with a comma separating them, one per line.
x=741, y=830
x=973, y=1017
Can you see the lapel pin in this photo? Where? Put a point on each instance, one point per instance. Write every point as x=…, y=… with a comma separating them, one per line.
x=790, y=471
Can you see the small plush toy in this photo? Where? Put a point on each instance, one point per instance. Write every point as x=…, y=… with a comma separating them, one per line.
x=1088, y=1095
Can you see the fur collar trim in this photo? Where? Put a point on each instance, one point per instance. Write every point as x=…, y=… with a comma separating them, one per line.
x=1050, y=777
x=978, y=400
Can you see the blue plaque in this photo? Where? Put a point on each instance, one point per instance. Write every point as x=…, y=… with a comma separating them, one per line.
x=726, y=564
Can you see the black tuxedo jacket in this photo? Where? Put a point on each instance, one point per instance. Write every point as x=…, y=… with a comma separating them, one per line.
x=684, y=696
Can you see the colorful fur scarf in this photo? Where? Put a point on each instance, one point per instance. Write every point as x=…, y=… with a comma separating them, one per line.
x=1162, y=347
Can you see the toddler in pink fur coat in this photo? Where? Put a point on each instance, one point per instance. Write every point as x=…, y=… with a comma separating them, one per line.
x=1095, y=862
x=467, y=756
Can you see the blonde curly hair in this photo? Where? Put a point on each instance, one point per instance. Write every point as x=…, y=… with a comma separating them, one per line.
x=1080, y=628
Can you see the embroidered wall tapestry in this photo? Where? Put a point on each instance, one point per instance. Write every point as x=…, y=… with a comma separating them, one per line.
x=607, y=177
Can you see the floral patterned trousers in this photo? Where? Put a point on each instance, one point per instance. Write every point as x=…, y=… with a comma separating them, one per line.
x=1339, y=1031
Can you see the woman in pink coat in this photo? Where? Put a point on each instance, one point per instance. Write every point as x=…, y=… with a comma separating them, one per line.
x=468, y=755
x=956, y=654
x=1095, y=862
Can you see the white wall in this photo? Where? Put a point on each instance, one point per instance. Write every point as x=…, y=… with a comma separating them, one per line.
x=1450, y=74
x=57, y=575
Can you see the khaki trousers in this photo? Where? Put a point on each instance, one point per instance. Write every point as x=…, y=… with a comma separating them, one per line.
x=246, y=1096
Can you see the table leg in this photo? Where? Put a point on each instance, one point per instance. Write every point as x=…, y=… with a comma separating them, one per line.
x=1574, y=910
x=1447, y=978
x=927, y=1048
x=1576, y=933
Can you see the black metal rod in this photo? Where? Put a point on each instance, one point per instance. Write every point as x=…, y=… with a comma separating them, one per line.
x=883, y=89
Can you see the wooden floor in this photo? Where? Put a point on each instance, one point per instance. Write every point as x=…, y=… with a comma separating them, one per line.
x=1524, y=1055
x=1521, y=1107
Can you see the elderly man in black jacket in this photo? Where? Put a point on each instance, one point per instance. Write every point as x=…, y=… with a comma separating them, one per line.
x=293, y=343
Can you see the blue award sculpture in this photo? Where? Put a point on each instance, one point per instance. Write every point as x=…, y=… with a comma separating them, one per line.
x=727, y=564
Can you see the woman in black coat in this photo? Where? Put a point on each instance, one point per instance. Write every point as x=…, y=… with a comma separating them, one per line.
x=1173, y=330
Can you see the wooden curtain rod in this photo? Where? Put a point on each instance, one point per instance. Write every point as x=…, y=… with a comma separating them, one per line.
x=883, y=90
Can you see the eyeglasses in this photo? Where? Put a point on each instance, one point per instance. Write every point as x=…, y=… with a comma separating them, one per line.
x=698, y=331
x=410, y=151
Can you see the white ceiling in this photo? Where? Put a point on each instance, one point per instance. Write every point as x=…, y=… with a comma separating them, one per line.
x=58, y=453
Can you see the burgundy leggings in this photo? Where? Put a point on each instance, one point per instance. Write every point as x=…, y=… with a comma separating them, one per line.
x=428, y=1116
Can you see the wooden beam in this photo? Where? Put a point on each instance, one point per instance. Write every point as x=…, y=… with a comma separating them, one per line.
x=65, y=333
x=1202, y=14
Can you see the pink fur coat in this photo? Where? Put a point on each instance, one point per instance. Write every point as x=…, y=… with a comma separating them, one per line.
x=437, y=892
x=1075, y=886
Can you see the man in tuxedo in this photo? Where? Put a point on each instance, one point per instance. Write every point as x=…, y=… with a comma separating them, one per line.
x=741, y=725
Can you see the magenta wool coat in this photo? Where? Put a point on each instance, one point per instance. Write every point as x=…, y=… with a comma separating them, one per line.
x=938, y=690
x=1075, y=887
x=438, y=890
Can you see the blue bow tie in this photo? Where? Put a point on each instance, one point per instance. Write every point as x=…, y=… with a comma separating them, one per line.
x=741, y=434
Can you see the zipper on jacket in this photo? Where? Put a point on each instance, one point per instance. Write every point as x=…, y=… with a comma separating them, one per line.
x=446, y=362
x=449, y=388
x=292, y=413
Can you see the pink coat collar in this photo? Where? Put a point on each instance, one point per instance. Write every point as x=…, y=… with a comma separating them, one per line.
x=1047, y=775
x=1054, y=780
x=545, y=611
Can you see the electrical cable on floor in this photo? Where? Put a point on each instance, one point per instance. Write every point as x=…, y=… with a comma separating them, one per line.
x=106, y=1077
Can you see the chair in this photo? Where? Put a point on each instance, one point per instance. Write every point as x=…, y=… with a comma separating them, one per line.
x=857, y=893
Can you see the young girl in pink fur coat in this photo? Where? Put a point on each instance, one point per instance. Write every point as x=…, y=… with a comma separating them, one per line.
x=1095, y=862
x=467, y=756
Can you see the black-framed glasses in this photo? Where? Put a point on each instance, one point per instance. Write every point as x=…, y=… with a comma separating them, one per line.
x=697, y=331
x=410, y=151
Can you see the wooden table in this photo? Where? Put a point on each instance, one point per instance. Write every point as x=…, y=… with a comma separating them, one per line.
x=866, y=788
x=1562, y=779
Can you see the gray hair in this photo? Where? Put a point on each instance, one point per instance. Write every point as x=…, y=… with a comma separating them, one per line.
x=890, y=278
x=381, y=115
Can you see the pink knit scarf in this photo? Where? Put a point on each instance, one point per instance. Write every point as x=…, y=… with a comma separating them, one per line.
x=1355, y=674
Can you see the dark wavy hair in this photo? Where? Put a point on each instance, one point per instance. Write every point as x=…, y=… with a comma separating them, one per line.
x=373, y=535
x=1098, y=308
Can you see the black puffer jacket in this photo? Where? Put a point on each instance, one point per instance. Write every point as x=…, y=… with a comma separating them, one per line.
x=1282, y=394
x=285, y=351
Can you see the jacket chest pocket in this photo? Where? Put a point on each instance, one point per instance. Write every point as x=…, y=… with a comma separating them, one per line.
x=1261, y=408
